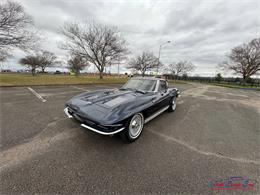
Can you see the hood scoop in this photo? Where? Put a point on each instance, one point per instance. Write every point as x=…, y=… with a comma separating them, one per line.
x=115, y=101
x=89, y=100
x=108, y=99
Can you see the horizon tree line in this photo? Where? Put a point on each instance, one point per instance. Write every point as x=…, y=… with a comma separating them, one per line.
x=102, y=46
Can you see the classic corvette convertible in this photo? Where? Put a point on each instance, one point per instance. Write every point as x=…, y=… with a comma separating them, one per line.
x=124, y=110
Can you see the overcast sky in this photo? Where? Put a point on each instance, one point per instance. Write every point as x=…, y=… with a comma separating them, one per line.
x=201, y=31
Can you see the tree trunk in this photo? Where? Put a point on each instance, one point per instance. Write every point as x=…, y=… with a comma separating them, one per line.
x=43, y=69
x=143, y=73
x=33, y=71
x=101, y=74
x=244, y=79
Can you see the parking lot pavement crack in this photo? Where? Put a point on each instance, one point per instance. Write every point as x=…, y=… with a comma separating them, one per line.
x=35, y=146
x=190, y=110
x=186, y=145
x=199, y=92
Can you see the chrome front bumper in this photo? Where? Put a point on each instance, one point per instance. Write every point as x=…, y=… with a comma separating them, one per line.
x=66, y=110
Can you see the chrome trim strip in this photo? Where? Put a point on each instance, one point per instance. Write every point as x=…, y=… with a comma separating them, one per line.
x=66, y=110
x=156, y=114
x=101, y=132
x=157, y=86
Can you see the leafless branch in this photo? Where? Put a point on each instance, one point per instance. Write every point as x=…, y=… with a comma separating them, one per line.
x=144, y=62
x=32, y=62
x=77, y=63
x=47, y=59
x=182, y=67
x=15, y=28
x=40, y=59
x=245, y=59
x=99, y=44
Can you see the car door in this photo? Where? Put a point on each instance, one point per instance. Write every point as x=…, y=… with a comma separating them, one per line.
x=162, y=97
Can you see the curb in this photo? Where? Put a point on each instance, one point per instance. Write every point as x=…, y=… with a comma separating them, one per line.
x=27, y=85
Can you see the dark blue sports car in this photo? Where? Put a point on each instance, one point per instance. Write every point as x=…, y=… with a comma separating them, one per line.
x=124, y=110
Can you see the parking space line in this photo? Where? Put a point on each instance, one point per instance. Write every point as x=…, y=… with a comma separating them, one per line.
x=36, y=94
x=79, y=88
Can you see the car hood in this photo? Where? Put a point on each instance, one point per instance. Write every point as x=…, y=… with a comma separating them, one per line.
x=106, y=106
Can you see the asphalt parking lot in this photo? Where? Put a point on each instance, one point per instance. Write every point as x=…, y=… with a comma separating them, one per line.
x=213, y=134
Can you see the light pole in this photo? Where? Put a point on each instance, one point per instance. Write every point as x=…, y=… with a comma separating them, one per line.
x=160, y=55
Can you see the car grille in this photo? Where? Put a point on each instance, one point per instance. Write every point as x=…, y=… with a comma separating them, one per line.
x=90, y=122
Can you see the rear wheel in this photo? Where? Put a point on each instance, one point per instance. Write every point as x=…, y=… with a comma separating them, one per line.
x=134, y=128
x=173, y=104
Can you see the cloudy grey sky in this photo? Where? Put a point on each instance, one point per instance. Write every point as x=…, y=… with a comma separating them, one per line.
x=201, y=31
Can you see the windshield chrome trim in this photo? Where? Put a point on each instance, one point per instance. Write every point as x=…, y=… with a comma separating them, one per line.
x=157, y=86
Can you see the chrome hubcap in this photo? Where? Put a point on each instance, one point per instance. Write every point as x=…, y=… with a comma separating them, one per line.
x=174, y=103
x=136, y=126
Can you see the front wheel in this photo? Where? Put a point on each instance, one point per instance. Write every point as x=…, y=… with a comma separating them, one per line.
x=134, y=128
x=173, y=104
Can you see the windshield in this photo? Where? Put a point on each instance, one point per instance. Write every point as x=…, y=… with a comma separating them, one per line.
x=140, y=84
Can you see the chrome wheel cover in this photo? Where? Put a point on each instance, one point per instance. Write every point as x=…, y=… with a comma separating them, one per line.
x=174, y=103
x=136, y=126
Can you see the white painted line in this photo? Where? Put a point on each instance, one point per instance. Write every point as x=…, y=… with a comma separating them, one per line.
x=79, y=88
x=36, y=94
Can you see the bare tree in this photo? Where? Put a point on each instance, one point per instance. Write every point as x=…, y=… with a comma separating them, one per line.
x=32, y=62
x=182, y=67
x=144, y=62
x=77, y=63
x=99, y=44
x=245, y=59
x=47, y=59
x=15, y=31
